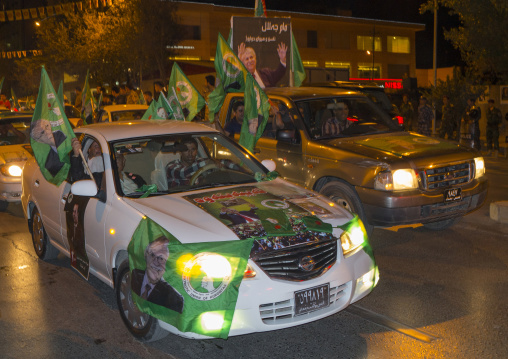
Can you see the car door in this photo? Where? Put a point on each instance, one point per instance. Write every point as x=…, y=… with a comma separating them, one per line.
x=95, y=212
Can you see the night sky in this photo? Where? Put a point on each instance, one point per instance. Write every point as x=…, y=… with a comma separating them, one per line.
x=397, y=10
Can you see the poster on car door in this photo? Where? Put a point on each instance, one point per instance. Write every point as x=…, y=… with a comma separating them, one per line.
x=264, y=47
x=75, y=213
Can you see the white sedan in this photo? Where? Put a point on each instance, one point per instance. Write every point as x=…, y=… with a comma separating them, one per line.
x=114, y=113
x=307, y=258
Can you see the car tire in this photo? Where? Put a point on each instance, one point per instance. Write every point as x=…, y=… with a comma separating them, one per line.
x=3, y=206
x=345, y=196
x=42, y=246
x=441, y=225
x=143, y=327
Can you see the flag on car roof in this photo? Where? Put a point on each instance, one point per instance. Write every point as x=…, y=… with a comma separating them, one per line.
x=201, y=280
x=87, y=102
x=51, y=133
x=177, y=112
x=189, y=97
x=158, y=110
x=296, y=63
x=260, y=8
x=150, y=111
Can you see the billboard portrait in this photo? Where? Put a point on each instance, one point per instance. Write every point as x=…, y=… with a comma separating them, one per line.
x=264, y=47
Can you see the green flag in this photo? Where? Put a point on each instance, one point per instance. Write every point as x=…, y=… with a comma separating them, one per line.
x=15, y=103
x=296, y=63
x=87, y=102
x=260, y=8
x=229, y=68
x=200, y=280
x=142, y=100
x=176, y=110
x=51, y=133
x=190, y=99
x=60, y=93
x=215, y=101
x=151, y=111
x=158, y=110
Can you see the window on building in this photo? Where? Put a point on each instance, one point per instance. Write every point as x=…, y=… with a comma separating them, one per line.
x=312, y=39
x=365, y=43
x=398, y=44
x=191, y=32
x=369, y=71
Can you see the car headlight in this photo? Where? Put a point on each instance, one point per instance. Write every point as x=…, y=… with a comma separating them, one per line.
x=11, y=170
x=353, y=237
x=479, y=166
x=397, y=180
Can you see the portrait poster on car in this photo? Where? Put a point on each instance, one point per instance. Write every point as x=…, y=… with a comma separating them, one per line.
x=264, y=46
x=74, y=214
x=192, y=286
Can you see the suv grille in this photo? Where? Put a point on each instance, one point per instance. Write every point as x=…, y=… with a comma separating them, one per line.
x=446, y=176
x=288, y=264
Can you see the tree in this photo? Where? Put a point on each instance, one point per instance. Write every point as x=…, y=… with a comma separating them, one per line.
x=114, y=42
x=481, y=37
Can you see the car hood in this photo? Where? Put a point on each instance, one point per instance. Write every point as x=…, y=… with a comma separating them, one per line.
x=14, y=154
x=399, y=145
x=195, y=216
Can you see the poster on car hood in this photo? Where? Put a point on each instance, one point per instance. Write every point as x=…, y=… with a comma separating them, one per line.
x=264, y=47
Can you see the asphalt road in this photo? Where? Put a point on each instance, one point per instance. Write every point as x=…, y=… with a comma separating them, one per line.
x=441, y=295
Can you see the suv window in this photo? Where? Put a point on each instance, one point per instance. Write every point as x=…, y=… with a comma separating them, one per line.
x=343, y=117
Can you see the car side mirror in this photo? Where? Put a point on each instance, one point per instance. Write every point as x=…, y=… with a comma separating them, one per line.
x=269, y=164
x=285, y=135
x=86, y=188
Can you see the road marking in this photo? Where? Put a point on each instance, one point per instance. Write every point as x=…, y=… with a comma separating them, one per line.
x=391, y=324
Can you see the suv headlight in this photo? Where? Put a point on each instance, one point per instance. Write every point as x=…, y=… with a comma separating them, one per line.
x=11, y=170
x=479, y=167
x=397, y=180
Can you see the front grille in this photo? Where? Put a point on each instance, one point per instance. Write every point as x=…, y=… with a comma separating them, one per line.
x=285, y=264
x=446, y=176
x=282, y=312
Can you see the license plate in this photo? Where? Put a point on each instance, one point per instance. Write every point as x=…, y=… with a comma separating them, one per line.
x=311, y=299
x=453, y=194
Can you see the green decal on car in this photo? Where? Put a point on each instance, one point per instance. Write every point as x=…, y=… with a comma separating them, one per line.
x=192, y=286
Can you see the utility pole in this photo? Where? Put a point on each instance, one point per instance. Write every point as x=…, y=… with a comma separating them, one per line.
x=434, y=64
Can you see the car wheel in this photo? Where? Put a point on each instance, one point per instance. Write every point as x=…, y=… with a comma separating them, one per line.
x=345, y=196
x=439, y=226
x=43, y=247
x=143, y=326
x=3, y=205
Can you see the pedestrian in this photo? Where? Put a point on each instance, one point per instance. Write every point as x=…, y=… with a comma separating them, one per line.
x=425, y=117
x=473, y=115
x=148, y=97
x=494, y=119
x=407, y=112
x=158, y=88
x=448, y=121
x=132, y=95
x=119, y=98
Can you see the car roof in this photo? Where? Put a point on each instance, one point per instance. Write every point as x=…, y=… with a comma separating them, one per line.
x=113, y=131
x=350, y=85
x=301, y=93
x=114, y=108
x=12, y=117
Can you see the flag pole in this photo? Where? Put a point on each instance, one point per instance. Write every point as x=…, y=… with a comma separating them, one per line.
x=85, y=164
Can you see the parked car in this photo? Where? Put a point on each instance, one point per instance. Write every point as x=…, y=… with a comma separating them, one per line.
x=373, y=91
x=113, y=113
x=373, y=168
x=14, y=151
x=284, y=273
x=73, y=115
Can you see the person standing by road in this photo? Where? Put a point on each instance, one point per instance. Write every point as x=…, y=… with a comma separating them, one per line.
x=425, y=117
x=472, y=123
x=494, y=119
x=407, y=112
x=448, y=122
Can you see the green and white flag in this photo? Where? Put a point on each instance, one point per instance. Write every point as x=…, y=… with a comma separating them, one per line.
x=51, y=133
x=142, y=100
x=87, y=102
x=151, y=111
x=229, y=68
x=198, y=288
x=158, y=110
x=296, y=63
x=15, y=102
x=189, y=97
x=260, y=8
x=174, y=105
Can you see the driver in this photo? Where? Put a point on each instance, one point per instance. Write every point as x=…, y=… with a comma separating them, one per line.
x=338, y=123
x=180, y=171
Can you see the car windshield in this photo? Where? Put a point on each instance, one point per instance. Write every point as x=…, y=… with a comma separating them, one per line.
x=343, y=117
x=14, y=131
x=176, y=163
x=129, y=115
